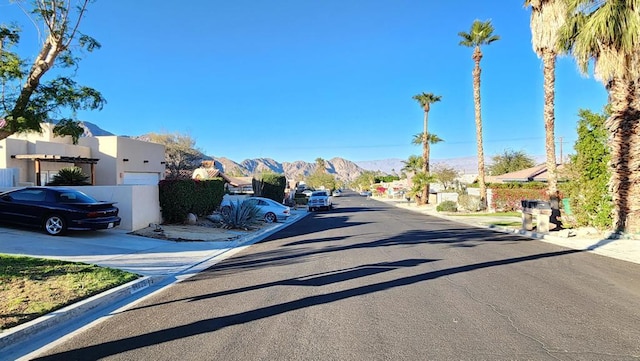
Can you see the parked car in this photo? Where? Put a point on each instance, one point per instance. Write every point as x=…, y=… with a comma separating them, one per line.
x=307, y=192
x=268, y=209
x=337, y=193
x=56, y=210
x=319, y=200
x=365, y=193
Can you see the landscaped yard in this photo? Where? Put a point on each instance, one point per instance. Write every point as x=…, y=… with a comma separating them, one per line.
x=32, y=287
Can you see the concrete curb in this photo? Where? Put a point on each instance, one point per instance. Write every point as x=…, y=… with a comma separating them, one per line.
x=13, y=337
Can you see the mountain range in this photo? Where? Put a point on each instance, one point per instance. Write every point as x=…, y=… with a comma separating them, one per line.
x=343, y=169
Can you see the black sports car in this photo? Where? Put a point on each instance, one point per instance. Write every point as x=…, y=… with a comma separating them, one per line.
x=56, y=210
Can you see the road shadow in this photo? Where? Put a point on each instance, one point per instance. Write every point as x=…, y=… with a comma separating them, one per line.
x=125, y=344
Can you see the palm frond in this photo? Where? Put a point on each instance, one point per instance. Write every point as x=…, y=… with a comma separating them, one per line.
x=425, y=99
x=481, y=33
x=547, y=18
x=418, y=139
x=607, y=32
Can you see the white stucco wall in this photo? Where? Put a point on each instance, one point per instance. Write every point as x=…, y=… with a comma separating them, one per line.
x=139, y=204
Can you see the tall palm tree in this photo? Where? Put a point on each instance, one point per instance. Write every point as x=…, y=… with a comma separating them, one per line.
x=607, y=32
x=320, y=165
x=413, y=164
x=418, y=139
x=481, y=33
x=547, y=18
x=425, y=100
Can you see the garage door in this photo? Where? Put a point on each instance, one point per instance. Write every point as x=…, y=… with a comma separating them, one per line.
x=140, y=178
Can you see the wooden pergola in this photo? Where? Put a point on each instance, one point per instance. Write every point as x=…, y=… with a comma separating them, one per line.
x=38, y=158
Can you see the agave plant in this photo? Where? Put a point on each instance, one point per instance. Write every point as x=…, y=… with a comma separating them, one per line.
x=70, y=176
x=239, y=215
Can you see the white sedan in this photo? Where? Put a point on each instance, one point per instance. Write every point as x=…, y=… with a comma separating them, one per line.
x=268, y=209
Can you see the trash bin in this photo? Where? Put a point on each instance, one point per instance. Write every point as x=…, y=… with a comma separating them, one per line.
x=538, y=208
x=535, y=204
x=566, y=205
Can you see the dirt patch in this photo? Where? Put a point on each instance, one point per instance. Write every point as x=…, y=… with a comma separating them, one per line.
x=203, y=231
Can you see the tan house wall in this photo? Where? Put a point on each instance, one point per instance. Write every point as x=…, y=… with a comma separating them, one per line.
x=107, y=152
x=18, y=147
x=119, y=155
x=141, y=157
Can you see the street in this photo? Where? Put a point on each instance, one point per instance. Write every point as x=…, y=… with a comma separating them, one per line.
x=368, y=281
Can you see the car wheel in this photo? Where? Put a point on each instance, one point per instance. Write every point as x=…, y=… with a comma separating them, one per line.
x=270, y=217
x=226, y=210
x=55, y=225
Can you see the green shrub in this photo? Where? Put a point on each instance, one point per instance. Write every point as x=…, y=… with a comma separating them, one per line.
x=208, y=196
x=469, y=202
x=270, y=185
x=178, y=197
x=239, y=215
x=588, y=174
x=70, y=176
x=447, y=206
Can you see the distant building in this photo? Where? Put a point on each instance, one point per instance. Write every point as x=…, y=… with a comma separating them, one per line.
x=534, y=174
x=234, y=185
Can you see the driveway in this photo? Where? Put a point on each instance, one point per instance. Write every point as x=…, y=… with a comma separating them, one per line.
x=119, y=249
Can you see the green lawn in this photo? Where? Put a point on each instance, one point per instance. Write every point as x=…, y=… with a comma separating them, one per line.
x=32, y=287
x=496, y=214
x=507, y=224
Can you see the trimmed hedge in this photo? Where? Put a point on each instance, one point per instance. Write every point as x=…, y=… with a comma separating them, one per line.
x=518, y=185
x=512, y=185
x=178, y=197
x=270, y=185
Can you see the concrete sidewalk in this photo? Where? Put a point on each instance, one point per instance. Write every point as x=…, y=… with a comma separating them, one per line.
x=625, y=249
x=161, y=262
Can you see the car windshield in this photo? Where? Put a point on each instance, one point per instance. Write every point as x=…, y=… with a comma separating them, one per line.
x=319, y=194
x=74, y=197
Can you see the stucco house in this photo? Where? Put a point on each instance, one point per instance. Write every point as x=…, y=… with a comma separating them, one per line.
x=34, y=158
x=533, y=174
x=233, y=184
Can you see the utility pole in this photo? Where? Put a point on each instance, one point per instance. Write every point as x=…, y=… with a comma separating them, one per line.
x=561, y=160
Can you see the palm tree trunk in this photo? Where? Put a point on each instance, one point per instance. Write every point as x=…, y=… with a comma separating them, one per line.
x=549, y=61
x=624, y=129
x=477, y=56
x=425, y=159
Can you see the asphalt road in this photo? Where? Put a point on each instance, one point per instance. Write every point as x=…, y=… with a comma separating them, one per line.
x=368, y=281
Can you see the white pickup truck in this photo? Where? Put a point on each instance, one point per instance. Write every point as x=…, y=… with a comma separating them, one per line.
x=320, y=200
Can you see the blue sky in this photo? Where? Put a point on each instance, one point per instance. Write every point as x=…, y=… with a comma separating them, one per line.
x=302, y=79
